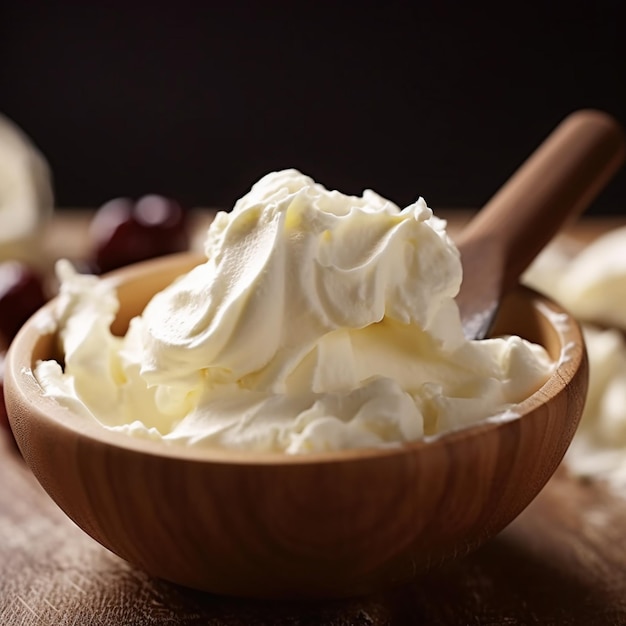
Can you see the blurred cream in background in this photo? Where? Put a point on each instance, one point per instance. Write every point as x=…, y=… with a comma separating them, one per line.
x=591, y=283
x=26, y=194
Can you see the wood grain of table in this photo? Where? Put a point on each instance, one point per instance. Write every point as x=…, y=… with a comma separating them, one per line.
x=562, y=561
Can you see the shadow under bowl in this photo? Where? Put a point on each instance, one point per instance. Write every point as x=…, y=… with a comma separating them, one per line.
x=269, y=525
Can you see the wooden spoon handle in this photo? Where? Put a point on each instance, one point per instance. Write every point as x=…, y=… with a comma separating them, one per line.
x=558, y=181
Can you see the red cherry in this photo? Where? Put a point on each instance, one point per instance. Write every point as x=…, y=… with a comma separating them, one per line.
x=124, y=232
x=21, y=294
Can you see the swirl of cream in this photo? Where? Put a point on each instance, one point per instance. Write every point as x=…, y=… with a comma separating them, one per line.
x=292, y=263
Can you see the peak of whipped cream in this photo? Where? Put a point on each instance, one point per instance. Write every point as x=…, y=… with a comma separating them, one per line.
x=319, y=321
x=291, y=264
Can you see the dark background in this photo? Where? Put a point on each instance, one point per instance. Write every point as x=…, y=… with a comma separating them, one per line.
x=198, y=100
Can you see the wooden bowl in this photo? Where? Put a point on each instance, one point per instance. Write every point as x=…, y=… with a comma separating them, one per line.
x=333, y=524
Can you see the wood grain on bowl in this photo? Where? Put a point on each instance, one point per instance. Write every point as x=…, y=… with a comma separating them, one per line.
x=335, y=524
x=561, y=561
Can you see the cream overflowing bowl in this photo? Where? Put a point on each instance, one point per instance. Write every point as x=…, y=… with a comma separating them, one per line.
x=315, y=322
x=279, y=525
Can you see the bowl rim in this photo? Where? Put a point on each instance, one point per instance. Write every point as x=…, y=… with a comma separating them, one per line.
x=20, y=380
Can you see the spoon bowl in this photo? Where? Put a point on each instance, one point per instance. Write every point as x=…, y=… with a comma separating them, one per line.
x=297, y=526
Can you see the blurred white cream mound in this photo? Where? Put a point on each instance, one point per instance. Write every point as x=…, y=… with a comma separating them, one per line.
x=591, y=284
x=26, y=195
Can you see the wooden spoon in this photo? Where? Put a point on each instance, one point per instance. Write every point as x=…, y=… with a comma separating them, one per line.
x=557, y=182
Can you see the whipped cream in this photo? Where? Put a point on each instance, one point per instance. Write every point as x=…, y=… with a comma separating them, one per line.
x=319, y=321
x=591, y=284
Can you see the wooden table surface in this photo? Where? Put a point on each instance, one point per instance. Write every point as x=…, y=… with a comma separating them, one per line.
x=562, y=561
